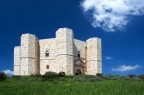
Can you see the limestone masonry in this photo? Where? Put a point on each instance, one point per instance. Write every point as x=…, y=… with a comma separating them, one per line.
x=60, y=54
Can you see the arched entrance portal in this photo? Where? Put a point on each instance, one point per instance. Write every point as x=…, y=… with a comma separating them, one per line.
x=78, y=72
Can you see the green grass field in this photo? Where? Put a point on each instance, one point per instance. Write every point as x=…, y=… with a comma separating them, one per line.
x=105, y=87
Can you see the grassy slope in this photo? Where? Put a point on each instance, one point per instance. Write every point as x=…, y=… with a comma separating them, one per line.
x=108, y=87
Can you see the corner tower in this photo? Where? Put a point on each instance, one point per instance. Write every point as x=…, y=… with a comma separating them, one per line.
x=94, y=60
x=17, y=60
x=29, y=55
x=64, y=50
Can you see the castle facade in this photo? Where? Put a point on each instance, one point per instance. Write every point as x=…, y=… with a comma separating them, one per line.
x=60, y=54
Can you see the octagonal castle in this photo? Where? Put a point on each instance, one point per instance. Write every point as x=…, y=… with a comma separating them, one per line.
x=60, y=54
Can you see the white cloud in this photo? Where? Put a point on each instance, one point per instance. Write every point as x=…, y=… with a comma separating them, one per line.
x=8, y=72
x=108, y=58
x=124, y=68
x=111, y=15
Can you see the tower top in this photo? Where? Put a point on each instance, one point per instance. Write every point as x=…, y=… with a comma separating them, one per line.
x=29, y=35
x=64, y=30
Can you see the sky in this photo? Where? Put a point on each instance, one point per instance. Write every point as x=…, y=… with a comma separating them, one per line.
x=119, y=23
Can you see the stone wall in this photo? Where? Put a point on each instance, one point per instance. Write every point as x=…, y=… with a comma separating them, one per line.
x=79, y=47
x=48, y=45
x=79, y=61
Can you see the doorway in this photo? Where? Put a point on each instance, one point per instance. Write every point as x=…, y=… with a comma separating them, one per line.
x=78, y=72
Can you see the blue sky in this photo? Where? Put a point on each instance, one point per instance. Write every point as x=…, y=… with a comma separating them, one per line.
x=120, y=28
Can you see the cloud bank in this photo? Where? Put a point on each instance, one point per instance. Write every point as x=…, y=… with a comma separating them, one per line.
x=112, y=15
x=124, y=68
x=8, y=72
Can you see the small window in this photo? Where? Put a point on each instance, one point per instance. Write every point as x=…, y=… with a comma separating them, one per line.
x=78, y=55
x=47, y=67
x=47, y=54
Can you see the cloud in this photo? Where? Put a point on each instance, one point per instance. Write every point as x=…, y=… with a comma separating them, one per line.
x=112, y=15
x=108, y=58
x=8, y=72
x=124, y=68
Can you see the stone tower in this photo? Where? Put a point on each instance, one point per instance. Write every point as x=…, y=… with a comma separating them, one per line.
x=64, y=50
x=94, y=56
x=29, y=55
x=17, y=60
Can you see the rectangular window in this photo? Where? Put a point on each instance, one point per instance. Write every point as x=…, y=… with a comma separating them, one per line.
x=47, y=67
x=47, y=54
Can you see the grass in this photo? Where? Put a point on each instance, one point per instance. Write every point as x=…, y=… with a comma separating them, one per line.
x=105, y=87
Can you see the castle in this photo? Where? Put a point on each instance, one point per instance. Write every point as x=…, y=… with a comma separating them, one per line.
x=60, y=54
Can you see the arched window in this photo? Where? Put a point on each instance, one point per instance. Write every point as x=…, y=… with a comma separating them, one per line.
x=47, y=54
x=47, y=67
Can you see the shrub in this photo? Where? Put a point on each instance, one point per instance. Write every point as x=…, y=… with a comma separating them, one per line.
x=96, y=78
x=78, y=79
x=99, y=74
x=93, y=79
x=37, y=75
x=62, y=79
x=104, y=77
x=107, y=77
x=88, y=76
x=50, y=74
x=61, y=74
x=125, y=78
x=2, y=76
x=131, y=75
x=16, y=77
x=24, y=78
x=141, y=77
x=137, y=78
